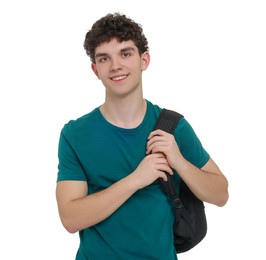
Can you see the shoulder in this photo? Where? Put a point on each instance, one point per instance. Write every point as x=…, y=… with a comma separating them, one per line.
x=82, y=123
x=184, y=129
x=189, y=144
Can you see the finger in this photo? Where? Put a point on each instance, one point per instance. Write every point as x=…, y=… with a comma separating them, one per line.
x=152, y=142
x=165, y=168
x=162, y=161
x=163, y=176
x=157, y=147
x=156, y=132
x=156, y=156
x=154, y=139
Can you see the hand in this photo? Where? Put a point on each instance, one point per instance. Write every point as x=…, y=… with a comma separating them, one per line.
x=160, y=141
x=151, y=168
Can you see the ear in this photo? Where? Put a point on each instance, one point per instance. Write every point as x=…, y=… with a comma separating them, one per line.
x=94, y=69
x=145, y=60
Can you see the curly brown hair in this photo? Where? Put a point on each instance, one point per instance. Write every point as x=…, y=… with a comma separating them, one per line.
x=113, y=26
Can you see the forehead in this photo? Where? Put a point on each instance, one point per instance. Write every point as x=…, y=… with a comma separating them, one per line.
x=114, y=46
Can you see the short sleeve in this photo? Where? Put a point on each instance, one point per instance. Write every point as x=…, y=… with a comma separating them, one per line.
x=69, y=166
x=189, y=144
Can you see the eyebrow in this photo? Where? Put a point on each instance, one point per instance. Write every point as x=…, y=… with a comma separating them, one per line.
x=101, y=54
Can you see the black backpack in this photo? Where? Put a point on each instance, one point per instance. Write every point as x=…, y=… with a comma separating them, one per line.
x=190, y=225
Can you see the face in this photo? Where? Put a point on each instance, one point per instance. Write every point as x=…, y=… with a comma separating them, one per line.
x=119, y=66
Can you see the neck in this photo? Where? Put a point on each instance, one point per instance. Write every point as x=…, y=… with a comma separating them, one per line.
x=125, y=113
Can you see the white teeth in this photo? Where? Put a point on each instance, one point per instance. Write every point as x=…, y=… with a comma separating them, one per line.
x=119, y=78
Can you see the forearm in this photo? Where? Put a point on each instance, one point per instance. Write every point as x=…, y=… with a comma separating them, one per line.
x=78, y=210
x=86, y=211
x=208, y=183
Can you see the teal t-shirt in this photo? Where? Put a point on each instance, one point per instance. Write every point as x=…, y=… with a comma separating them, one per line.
x=93, y=150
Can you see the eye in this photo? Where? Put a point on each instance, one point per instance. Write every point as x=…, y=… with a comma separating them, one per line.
x=102, y=59
x=126, y=54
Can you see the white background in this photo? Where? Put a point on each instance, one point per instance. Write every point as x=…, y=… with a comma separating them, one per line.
x=208, y=61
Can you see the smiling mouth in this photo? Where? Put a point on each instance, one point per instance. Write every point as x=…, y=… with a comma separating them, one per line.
x=119, y=77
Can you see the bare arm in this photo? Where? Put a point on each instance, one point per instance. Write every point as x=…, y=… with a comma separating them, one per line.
x=208, y=184
x=78, y=210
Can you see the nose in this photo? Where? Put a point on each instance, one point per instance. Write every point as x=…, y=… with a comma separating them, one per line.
x=115, y=65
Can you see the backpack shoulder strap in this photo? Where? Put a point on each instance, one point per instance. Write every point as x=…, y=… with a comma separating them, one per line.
x=167, y=120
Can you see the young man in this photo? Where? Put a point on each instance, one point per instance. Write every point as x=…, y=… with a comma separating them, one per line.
x=110, y=160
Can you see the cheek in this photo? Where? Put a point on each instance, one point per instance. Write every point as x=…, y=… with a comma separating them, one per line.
x=100, y=72
x=137, y=66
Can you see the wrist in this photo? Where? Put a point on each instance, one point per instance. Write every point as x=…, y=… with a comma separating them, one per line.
x=133, y=182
